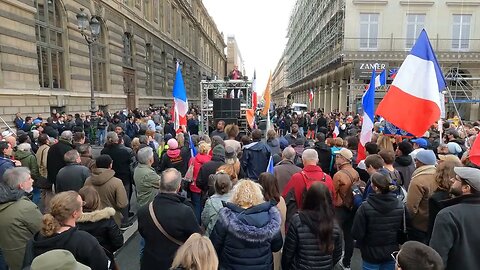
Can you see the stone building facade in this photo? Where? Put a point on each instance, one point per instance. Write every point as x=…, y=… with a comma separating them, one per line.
x=44, y=59
x=234, y=57
x=333, y=47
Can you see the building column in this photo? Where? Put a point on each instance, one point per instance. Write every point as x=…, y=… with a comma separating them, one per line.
x=334, y=98
x=342, y=96
x=321, y=103
x=328, y=98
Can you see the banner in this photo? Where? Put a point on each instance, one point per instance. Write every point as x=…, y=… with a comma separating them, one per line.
x=391, y=130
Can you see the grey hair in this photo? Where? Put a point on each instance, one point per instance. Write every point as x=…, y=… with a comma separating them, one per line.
x=84, y=149
x=142, y=139
x=71, y=156
x=144, y=155
x=170, y=181
x=112, y=137
x=67, y=135
x=25, y=147
x=289, y=153
x=310, y=155
x=13, y=177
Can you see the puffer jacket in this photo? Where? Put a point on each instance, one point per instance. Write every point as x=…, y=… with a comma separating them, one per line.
x=302, y=250
x=211, y=210
x=198, y=162
x=245, y=238
x=100, y=223
x=376, y=225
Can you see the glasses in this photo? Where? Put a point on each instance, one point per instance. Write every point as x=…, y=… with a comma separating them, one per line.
x=395, y=256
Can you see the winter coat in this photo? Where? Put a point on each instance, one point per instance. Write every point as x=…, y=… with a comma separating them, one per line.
x=84, y=247
x=436, y=203
x=405, y=166
x=42, y=154
x=283, y=171
x=198, y=162
x=110, y=189
x=455, y=234
x=147, y=182
x=121, y=162
x=343, y=181
x=422, y=186
x=245, y=238
x=211, y=210
x=20, y=219
x=177, y=158
x=274, y=146
x=302, y=250
x=5, y=164
x=131, y=129
x=177, y=218
x=255, y=159
x=71, y=177
x=376, y=225
x=236, y=145
x=28, y=160
x=101, y=225
x=324, y=156
x=55, y=160
x=207, y=169
x=295, y=140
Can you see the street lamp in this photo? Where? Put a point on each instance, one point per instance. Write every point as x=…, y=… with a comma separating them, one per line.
x=83, y=25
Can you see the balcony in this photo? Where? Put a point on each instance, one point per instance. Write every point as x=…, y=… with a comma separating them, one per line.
x=398, y=48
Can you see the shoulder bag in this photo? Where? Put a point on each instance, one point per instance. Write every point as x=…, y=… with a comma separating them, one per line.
x=160, y=228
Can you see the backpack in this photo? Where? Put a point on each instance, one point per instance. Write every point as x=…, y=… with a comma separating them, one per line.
x=290, y=200
x=397, y=180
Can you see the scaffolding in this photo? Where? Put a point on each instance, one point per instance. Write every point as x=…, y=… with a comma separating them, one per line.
x=213, y=89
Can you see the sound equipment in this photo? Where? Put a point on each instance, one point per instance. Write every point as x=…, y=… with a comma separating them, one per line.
x=226, y=108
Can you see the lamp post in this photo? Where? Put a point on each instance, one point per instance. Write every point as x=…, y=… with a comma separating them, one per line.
x=92, y=24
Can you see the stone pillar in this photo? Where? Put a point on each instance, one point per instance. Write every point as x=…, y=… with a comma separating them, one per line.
x=342, y=97
x=321, y=103
x=334, y=98
x=328, y=98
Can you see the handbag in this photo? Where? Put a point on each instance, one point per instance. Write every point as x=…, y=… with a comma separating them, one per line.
x=402, y=235
x=189, y=173
x=160, y=228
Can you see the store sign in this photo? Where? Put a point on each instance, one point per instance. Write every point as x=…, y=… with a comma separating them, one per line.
x=363, y=70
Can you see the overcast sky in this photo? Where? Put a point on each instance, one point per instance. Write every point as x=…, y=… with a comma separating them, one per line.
x=260, y=28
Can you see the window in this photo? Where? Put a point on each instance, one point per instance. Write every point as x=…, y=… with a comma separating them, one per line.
x=127, y=50
x=50, y=51
x=99, y=62
x=148, y=10
x=168, y=17
x=415, y=24
x=155, y=10
x=368, y=30
x=461, y=32
x=149, y=69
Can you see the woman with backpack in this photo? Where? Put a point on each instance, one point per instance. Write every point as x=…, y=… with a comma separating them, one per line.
x=313, y=238
x=377, y=223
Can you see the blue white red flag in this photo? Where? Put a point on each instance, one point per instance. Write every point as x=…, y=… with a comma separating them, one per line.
x=270, y=165
x=413, y=101
x=193, y=150
x=180, y=100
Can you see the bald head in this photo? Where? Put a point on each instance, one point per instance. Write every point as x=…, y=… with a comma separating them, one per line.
x=289, y=153
x=310, y=157
x=170, y=181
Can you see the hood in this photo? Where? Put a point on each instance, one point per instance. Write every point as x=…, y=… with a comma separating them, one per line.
x=97, y=215
x=274, y=143
x=424, y=170
x=57, y=241
x=200, y=158
x=22, y=154
x=173, y=153
x=404, y=160
x=256, y=224
x=321, y=146
x=256, y=146
x=383, y=203
x=8, y=196
x=100, y=176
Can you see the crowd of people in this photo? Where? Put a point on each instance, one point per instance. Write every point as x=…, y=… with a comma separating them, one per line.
x=210, y=201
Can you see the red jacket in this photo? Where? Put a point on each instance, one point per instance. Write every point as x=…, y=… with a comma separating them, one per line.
x=198, y=162
x=297, y=183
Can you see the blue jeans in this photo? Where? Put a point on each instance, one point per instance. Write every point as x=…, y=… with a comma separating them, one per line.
x=36, y=196
x=101, y=136
x=3, y=264
x=197, y=206
x=390, y=265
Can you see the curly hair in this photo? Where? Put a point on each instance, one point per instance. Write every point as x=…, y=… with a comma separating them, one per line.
x=246, y=194
x=445, y=172
x=62, y=207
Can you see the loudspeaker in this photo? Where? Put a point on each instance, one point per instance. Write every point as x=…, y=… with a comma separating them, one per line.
x=226, y=108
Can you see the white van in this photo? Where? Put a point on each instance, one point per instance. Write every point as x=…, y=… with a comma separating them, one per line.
x=299, y=108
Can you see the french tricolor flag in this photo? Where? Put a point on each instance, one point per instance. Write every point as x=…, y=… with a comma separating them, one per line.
x=180, y=102
x=368, y=104
x=412, y=102
x=336, y=131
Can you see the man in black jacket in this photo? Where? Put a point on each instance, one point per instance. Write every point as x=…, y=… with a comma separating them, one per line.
x=175, y=216
x=455, y=233
x=218, y=159
x=324, y=152
x=55, y=156
x=73, y=175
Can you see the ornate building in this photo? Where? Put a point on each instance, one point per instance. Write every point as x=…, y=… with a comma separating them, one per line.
x=334, y=45
x=44, y=60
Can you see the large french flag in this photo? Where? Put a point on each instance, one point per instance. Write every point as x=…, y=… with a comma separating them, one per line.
x=412, y=102
x=180, y=102
x=368, y=104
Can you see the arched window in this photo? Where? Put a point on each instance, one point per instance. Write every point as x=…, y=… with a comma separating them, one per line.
x=127, y=50
x=50, y=51
x=99, y=61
